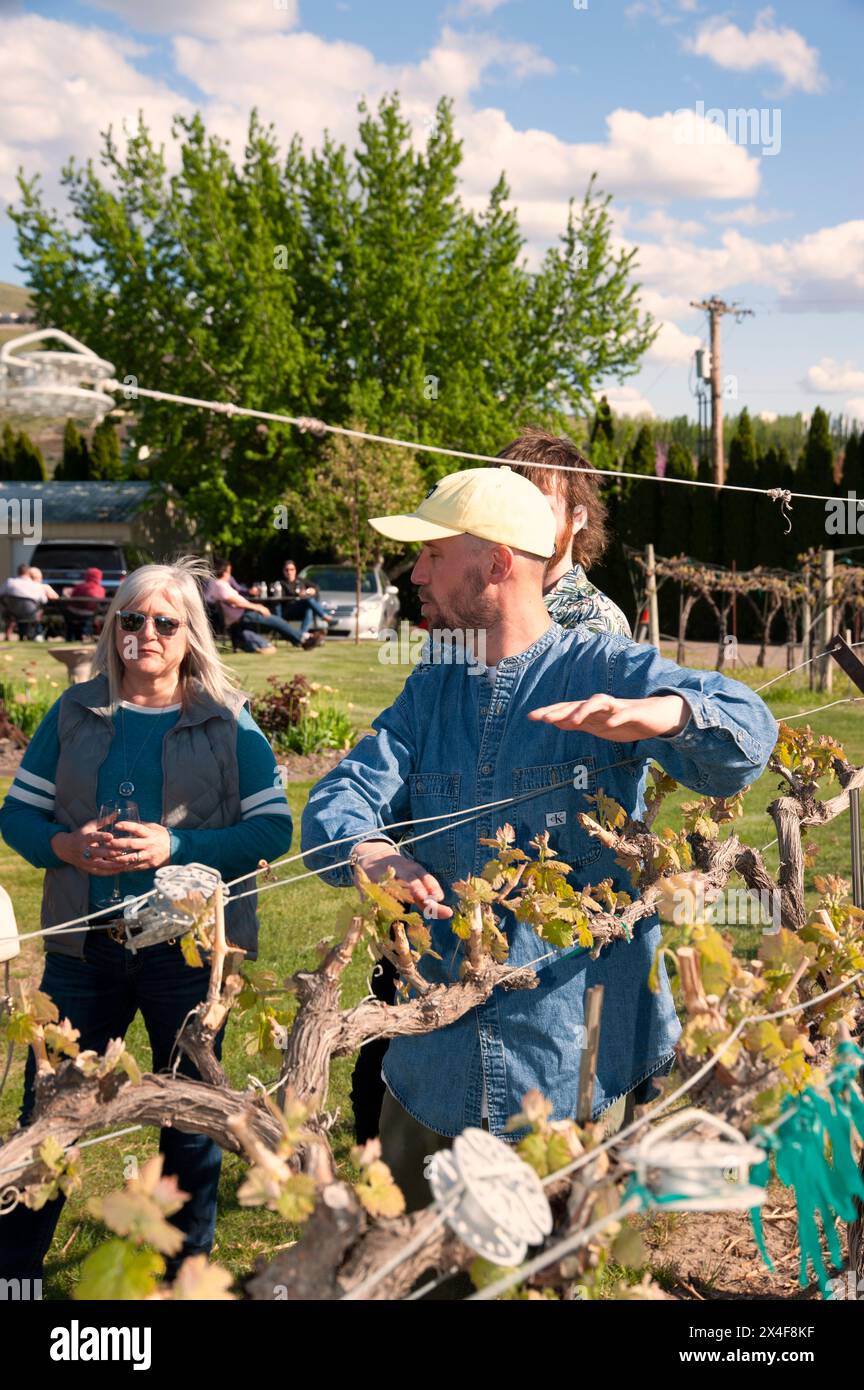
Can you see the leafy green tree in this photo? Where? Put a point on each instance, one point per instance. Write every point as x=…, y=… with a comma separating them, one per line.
x=351, y=480
x=75, y=464
x=106, y=462
x=284, y=280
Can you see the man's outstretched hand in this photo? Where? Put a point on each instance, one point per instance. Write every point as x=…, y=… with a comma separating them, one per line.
x=375, y=857
x=622, y=721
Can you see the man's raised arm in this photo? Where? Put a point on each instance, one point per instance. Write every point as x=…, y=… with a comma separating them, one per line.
x=709, y=732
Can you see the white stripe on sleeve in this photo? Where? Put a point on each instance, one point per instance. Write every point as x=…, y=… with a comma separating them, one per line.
x=40, y=783
x=278, y=808
x=45, y=803
x=268, y=793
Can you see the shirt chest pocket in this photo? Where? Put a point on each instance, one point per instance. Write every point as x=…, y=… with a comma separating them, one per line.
x=435, y=795
x=561, y=790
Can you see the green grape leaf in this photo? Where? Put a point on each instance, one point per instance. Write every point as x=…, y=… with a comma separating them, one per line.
x=296, y=1200
x=378, y=1192
x=116, y=1270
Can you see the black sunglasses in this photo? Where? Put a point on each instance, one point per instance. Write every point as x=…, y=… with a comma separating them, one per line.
x=134, y=622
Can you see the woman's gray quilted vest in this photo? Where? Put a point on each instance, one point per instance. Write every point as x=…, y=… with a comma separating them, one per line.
x=201, y=791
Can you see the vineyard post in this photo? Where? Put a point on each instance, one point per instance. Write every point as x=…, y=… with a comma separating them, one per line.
x=806, y=635
x=593, y=1010
x=826, y=668
x=653, y=615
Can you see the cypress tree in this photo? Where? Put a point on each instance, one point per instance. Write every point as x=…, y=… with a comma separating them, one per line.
x=852, y=478
x=106, y=462
x=676, y=503
x=817, y=462
x=640, y=502
x=28, y=465
x=74, y=467
x=7, y=452
x=604, y=424
x=739, y=508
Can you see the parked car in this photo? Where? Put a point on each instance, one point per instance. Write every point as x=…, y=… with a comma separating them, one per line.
x=63, y=563
x=379, y=601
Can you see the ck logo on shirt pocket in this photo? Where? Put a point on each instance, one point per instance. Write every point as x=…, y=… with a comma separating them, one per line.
x=433, y=794
x=570, y=785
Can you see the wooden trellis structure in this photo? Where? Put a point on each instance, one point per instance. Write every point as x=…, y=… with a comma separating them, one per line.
x=819, y=600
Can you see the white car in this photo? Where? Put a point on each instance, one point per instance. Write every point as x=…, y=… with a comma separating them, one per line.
x=337, y=584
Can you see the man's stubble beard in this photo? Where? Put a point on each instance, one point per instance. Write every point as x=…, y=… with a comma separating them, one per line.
x=468, y=610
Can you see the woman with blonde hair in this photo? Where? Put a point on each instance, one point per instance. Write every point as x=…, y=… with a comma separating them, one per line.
x=163, y=732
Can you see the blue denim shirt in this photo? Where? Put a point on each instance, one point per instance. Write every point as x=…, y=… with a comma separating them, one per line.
x=453, y=740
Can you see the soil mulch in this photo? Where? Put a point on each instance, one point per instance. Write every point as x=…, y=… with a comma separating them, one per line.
x=712, y=1255
x=300, y=767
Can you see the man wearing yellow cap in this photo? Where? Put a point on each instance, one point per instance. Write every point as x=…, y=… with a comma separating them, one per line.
x=564, y=714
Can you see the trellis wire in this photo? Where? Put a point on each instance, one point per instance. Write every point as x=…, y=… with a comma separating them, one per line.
x=319, y=427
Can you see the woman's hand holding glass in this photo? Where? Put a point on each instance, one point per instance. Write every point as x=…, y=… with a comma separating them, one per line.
x=138, y=845
x=84, y=849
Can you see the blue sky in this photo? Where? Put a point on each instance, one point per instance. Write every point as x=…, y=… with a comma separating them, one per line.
x=546, y=90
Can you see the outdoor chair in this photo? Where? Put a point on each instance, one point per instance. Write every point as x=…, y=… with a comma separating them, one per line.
x=24, y=612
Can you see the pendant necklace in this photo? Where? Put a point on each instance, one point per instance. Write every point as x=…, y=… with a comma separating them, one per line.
x=127, y=786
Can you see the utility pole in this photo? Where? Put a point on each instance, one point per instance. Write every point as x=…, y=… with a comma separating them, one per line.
x=715, y=309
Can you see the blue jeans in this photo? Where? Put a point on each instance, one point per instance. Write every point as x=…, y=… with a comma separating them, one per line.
x=101, y=995
x=256, y=620
x=303, y=608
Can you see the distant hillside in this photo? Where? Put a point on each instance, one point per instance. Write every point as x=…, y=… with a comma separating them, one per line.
x=14, y=299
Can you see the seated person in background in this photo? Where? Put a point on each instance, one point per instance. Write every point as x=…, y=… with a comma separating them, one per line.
x=302, y=599
x=240, y=613
x=27, y=584
x=580, y=513
x=81, y=612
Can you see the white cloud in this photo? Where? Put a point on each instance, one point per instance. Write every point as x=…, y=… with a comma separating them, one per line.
x=673, y=345
x=747, y=216
x=212, y=19
x=466, y=8
x=769, y=416
x=820, y=273
x=629, y=401
x=658, y=223
x=830, y=376
x=855, y=408
x=60, y=85
x=767, y=45
x=664, y=11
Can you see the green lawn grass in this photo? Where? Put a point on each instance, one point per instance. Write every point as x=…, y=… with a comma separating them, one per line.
x=293, y=921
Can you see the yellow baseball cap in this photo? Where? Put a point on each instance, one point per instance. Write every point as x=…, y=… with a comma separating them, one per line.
x=495, y=504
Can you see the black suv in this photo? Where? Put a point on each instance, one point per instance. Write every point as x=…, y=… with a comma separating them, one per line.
x=63, y=563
